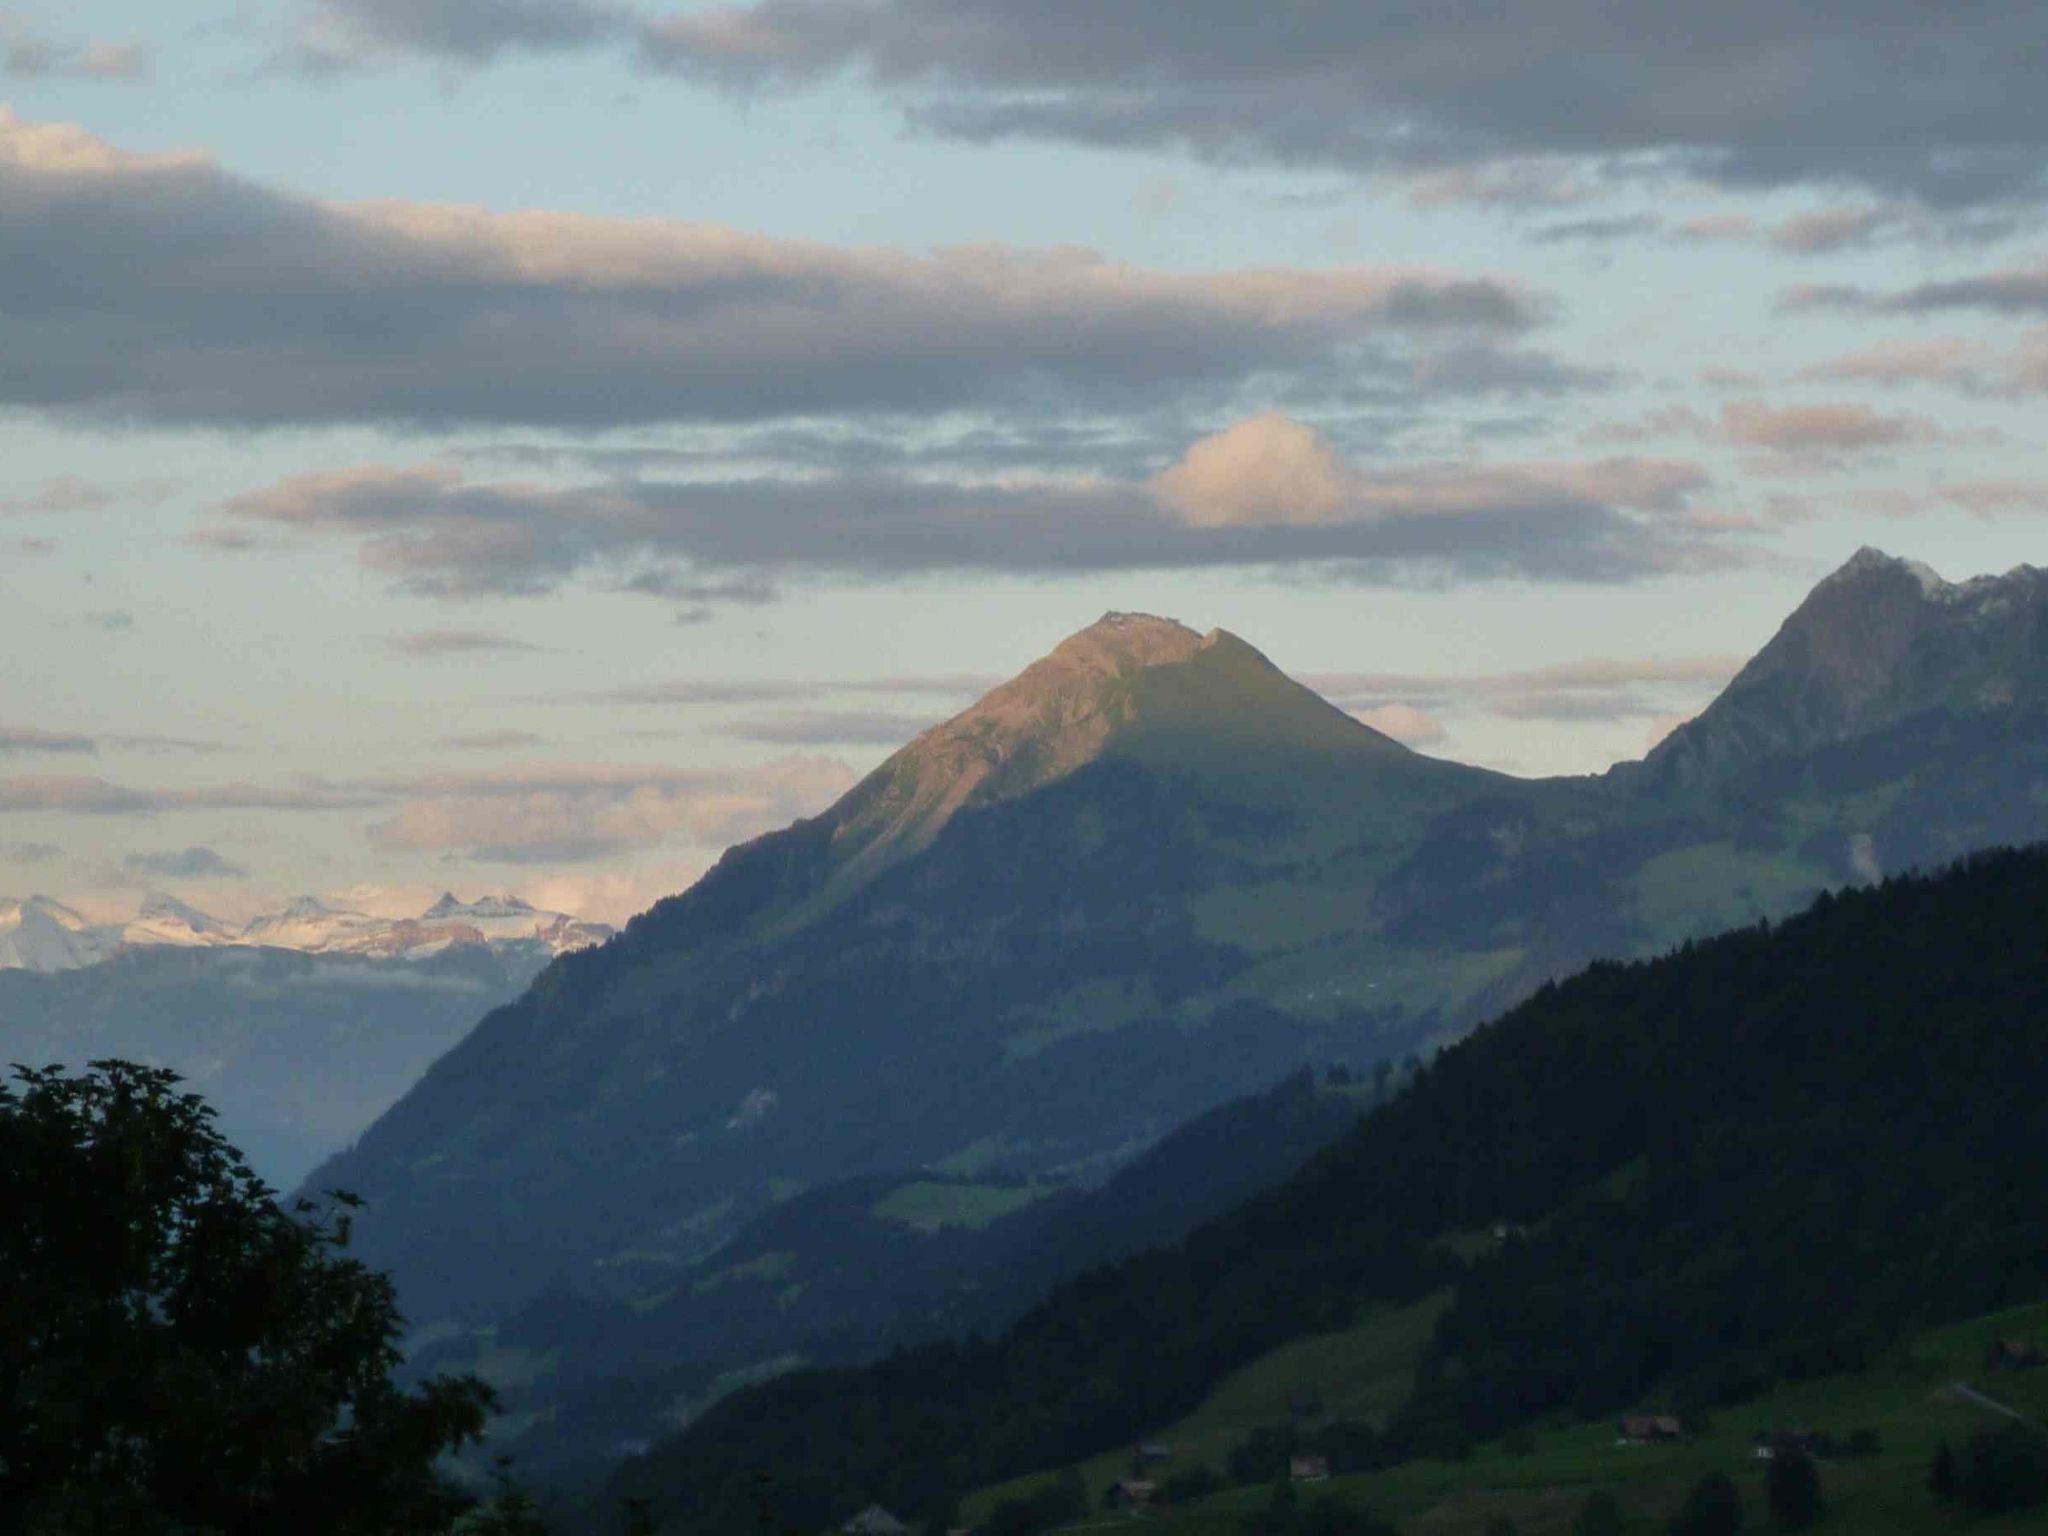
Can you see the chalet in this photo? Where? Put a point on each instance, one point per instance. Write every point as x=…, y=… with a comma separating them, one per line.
x=875, y=1521
x=1133, y=1493
x=1770, y=1444
x=1650, y=1429
x=2014, y=1355
x=1309, y=1469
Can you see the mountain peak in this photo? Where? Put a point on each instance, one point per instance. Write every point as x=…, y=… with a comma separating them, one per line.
x=1132, y=683
x=1877, y=641
x=1120, y=642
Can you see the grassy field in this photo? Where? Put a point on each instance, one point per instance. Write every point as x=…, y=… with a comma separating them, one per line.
x=1907, y=1400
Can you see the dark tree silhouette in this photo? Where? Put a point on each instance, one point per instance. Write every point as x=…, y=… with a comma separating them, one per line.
x=1792, y=1489
x=1712, y=1508
x=177, y=1352
x=1598, y=1516
x=1943, y=1479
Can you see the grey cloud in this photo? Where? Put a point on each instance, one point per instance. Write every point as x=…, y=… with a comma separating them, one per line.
x=571, y=816
x=1615, y=688
x=833, y=727
x=29, y=853
x=491, y=741
x=343, y=34
x=92, y=796
x=1596, y=230
x=195, y=863
x=434, y=532
x=161, y=289
x=1938, y=103
x=688, y=692
x=454, y=642
x=70, y=493
x=24, y=739
x=29, y=54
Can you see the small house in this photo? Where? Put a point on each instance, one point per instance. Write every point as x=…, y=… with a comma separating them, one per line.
x=1650, y=1429
x=1309, y=1469
x=1770, y=1444
x=875, y=1521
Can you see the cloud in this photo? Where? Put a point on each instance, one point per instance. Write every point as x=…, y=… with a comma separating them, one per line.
x=1406, y=724
x=193, y=863
x=29, y=853
x=454, y=642
x=833, y=727
x=1266, y=469
x=1834, y=428
x=93, y=796
x=349, y=34
x=433, y=531
x=70, y=493
x=24, y=739
x=28, y=54
x=1605, y=689
x=1804, y=433
x=491, y=741
x=1921, y=360
x=161, y=289
x=774, y=690
x=571, y=816
x=1890, y=95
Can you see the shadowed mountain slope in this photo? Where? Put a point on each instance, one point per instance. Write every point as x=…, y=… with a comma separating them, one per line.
x=1146, y=876
x=1761, y=1159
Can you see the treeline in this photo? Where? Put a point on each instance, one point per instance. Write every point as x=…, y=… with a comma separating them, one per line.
x=1755, y=1159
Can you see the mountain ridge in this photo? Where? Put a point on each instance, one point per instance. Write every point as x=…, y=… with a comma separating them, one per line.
x=40, y=934
x=1201, y=876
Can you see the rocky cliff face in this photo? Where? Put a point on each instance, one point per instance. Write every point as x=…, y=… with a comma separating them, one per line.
x=1878, y=642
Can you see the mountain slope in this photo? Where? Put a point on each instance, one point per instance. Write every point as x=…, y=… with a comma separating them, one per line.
x=851, y=1270
x=1758, y=1159
x=991, y=947
x=1146, y=876
x=1879, y=642
x=298, y=1053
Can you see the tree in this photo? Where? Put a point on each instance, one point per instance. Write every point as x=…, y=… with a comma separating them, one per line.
x=1792, y=1489
x=1598, y=1516
x=179, y=1352
x=1943, y=1478
x=1712, y=1508
x=2005, y=1469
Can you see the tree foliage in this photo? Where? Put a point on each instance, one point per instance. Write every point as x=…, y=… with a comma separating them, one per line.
x=177, y=1352
x=1792, y=1489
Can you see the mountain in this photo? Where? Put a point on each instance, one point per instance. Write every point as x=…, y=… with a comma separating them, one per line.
x=1143, y=878
x=852, y=1270
x=1763, y=1159
x=167, y=920
x=308, y=925
x=1020, y=943
x=1880, y=642
x=298, y=1053
x=42, y=935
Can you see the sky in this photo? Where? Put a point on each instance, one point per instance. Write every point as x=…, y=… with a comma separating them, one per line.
x=527, y=445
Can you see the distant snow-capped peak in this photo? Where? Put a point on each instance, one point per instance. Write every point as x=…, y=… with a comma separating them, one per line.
x=43, y=935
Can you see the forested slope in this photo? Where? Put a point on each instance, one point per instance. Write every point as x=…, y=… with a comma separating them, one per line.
x=1746, y=1161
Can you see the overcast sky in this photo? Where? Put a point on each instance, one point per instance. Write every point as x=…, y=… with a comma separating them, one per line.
x=528, y=444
